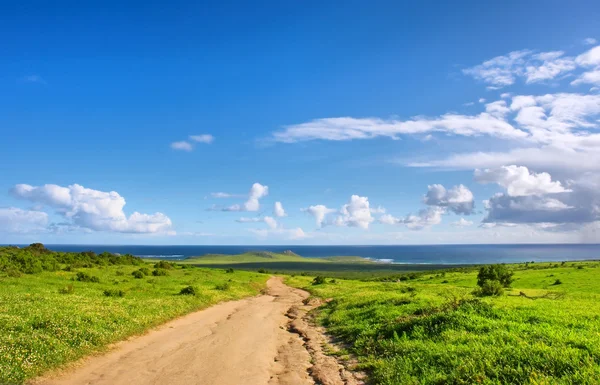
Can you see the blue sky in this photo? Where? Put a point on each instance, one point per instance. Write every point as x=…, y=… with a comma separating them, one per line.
x=121, y=122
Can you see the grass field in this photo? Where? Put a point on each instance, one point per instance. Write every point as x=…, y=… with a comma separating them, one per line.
x=48, y=319
x=342, y=267
x=433, y=330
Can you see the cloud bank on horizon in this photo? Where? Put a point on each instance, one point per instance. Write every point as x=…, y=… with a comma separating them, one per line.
x=542, y=155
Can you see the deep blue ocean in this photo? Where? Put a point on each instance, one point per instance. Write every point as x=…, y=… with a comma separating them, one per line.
x=433, y=254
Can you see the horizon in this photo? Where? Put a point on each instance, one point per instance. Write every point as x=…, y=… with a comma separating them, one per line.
x=306, y=124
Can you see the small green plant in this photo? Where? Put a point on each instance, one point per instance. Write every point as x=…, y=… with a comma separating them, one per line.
x=119, y=273
x=85, y=277
x=263, y=271
x=499, y=273
x=222, y=286
x=332, y=281
x=114, y=293
x=160, y=272
x=188, y=290
x=557, y=282
x=66, y=290
x=163, y=265
x=229, y=271
x=138, y=274
x=145, y=270
x=490, y=288
x=318, y=280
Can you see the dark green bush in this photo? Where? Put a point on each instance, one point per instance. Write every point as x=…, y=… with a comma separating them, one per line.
x=499, y=273
x=160, y=272
x=222, y=286
x=188, y=290
x=318, y=280
x=138, y=274
x=114, y=293
x=145, y=270
x=163, y=265
x=557, y=282
x=230, y=270
x=490, y=288
x=85, y=277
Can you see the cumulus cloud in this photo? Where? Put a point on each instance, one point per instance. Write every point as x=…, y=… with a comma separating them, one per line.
x=278, y=210
x=257, y=191
x=319, y=212
x=15, y=220
x=462, y=222
x=93, y=209
x=188, y=145
x=458, y=199
x=424, y=218
x=270, y=221
x=355, y=213
x=519, y=181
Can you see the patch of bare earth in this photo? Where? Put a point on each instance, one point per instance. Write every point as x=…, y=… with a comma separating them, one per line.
x=264, y=340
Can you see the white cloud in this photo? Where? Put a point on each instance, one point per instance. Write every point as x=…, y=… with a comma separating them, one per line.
x=356, y=213
x=590, y=77
x=519, y=181
x=182, y=146
x=278, y=210
x=204, y=138
x=481, y=100
x=224, y=195
x=93, y=209
x=388, y=219
x=347, y=128
x=462, y=222
x=271, y=222
x=589, y=41
x=589, y=58
x=15, y=220
x=378, y=210
x=319, y=212
x=458, y=199
x=257, y=191
x=424, y=218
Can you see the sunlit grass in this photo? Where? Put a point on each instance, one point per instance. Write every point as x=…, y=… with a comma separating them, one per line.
x=432, y=330
x=42, y=329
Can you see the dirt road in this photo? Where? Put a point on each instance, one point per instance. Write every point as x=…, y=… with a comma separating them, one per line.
x=260, y=340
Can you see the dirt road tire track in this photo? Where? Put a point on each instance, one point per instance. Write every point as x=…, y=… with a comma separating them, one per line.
x=254, y=341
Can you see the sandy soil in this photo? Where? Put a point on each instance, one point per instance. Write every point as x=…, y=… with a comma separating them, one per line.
x=266, y=339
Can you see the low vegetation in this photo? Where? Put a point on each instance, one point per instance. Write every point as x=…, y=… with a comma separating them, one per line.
x=58, y=307
x=526, y=329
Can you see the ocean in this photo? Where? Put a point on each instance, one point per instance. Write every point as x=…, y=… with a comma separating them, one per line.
x=421, y=254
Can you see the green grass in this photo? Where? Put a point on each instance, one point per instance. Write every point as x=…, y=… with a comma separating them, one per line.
x=41, y=329
x=432, y=330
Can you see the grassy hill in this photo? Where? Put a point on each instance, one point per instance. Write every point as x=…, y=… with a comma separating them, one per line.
x=432, y=328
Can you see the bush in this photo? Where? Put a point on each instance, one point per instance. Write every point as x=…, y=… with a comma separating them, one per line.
x=229, y=271
x=145, y=270
x=490, y=288
x=120, y=272
x=66, y=290
x=319, y=280
x=138, y=274
x=263, y=271
x=163, y=265
x=497, y=273
x=114, y=293
x=332, y=281
x=557, y=282
x=160, y=272
x=85, y=277
x=188, y=290
x=222, y=286
x=14, y=273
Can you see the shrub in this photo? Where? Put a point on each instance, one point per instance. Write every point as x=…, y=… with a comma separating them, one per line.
x=138, y=274
x=163, y=265
x=145, y=270
x=319, y=280
x=119, y=272
x=12, y=272
x=490, y=288
x=114, y=293
x=557, y=282
x=229, y=271
x=188, y=290
x=332, y=281
x=497, y=273
x=222, y=286
x=85, y=277
x=160, y=272
x=445, y=281
x=66, y=290
x=263, y=271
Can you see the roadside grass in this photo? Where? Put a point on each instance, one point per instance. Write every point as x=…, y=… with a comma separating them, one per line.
x=433, y=330
x=50, y=318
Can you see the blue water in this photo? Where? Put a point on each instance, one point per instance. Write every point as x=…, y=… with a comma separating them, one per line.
x=432, y=254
